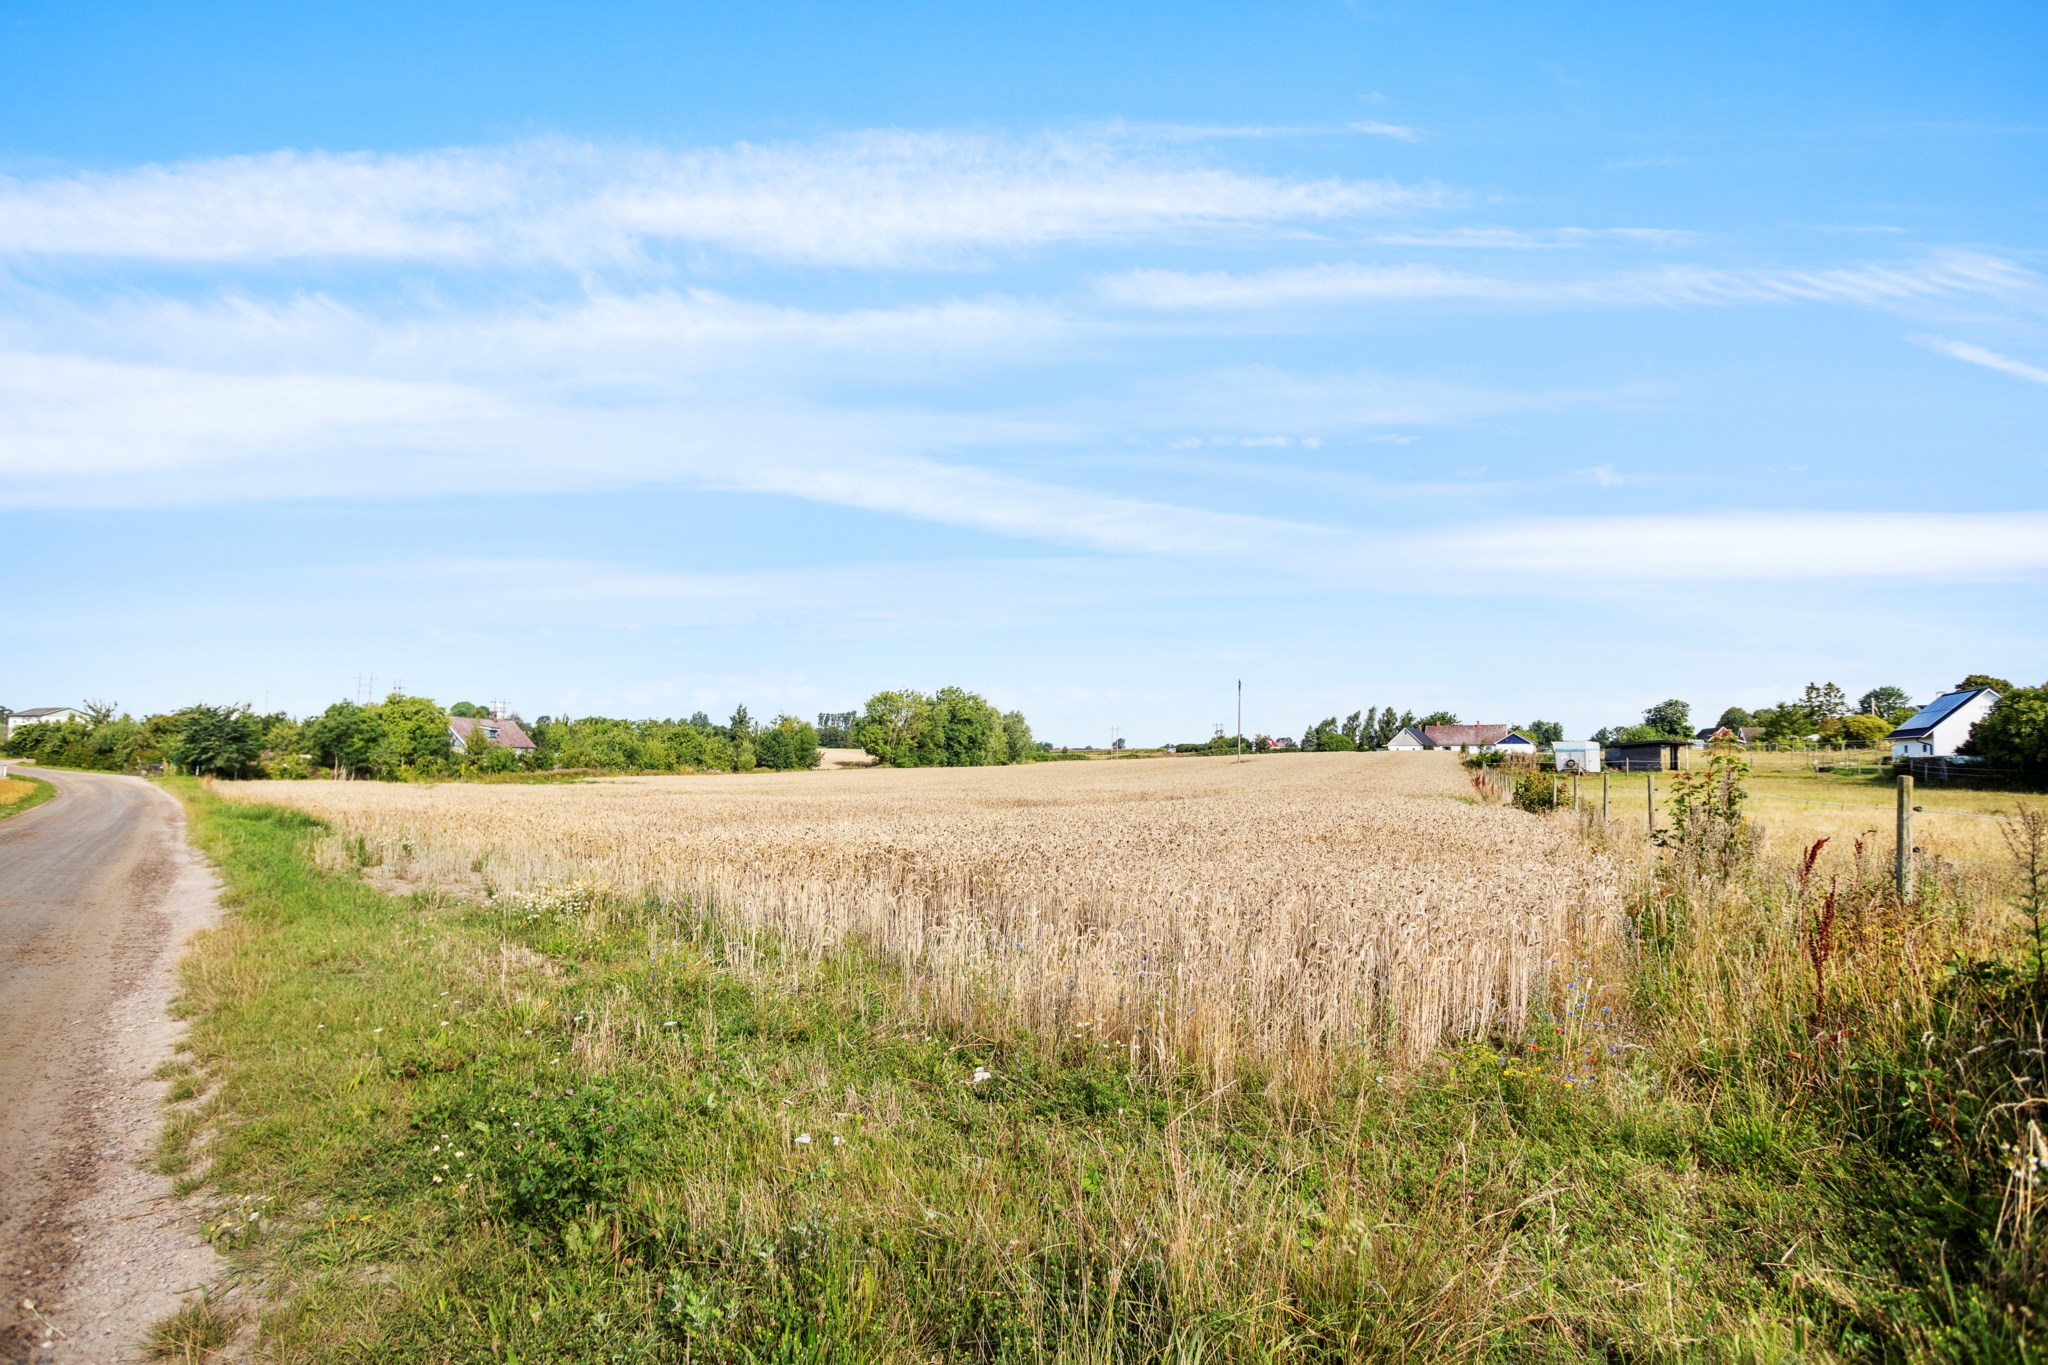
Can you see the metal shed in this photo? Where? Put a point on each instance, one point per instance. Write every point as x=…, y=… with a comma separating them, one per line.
x=1646, y=755
x=1576, y=755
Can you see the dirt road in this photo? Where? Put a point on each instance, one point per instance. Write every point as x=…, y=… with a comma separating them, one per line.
x=98, y=890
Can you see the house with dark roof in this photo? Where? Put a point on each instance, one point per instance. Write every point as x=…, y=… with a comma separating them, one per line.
x=1939, y=728
x=39, y=715
x=494, y=729
x=1480, y=739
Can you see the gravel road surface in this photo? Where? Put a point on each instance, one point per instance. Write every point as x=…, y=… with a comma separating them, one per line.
x=98, y=892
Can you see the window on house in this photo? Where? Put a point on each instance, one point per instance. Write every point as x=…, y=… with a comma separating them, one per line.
x=490, y=732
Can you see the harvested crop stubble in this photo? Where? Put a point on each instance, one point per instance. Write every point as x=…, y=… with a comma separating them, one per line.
x=1297, y=909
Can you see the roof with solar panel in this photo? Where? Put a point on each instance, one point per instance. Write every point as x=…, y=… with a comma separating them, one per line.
x=1923, y=721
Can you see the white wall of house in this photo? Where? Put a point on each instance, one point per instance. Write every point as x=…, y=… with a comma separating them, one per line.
x=1408, y=742
x=1949, y=734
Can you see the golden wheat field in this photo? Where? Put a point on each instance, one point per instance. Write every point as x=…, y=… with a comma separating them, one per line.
x=1294, y=909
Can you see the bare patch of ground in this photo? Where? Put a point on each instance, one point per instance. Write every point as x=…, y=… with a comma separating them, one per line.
x=101, y=894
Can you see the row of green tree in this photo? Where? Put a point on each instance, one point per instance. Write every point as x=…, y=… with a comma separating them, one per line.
x=951, y=728
x=1821, y=714
x=1377, y=727
x=409, y=738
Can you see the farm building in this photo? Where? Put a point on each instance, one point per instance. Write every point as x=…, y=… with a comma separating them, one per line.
x=494, y=728
x=42, y=715
x=1939, y=728
x=1479, y=739
x=1576, y=755
x=1646, y=755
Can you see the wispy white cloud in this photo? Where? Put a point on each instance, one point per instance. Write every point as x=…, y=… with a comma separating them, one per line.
x=1944, y=275
x=1974, y=354
x=1525, y=239
x=871, y=199
x=1572, y=553
x=661, y=336
x=1400, y=132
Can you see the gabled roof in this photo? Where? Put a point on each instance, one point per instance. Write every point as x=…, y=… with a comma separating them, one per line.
x=1413, y=732
x=1451, y=736
x=510, y=736
x=1923, y=721
x=35, y=711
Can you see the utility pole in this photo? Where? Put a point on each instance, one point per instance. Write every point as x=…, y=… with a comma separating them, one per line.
x=1904, y=865
x=1240, y=720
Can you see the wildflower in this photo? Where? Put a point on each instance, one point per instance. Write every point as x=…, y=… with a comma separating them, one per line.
x=838, y=1141
x=803, y=1139
x=982, y=1073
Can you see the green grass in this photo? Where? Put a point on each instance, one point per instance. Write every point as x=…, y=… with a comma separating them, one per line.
x=432, y=1131
x=13, y=800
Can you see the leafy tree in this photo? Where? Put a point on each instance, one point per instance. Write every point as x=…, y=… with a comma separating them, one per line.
x=218, y=740
x=699, y=721
x=892, y=726
x=1824, y=701
x=1884, y=701
x=1369, y=730
x=2015, y=733
x=1984, y=680
x=415, y=737
x=1544, y=731
x=342, y=737
x=787, y=744
x=1603, y=735
x=1861, y=729
x=1017, y=731
x=466, y=710
x=1735, y=718
x=741, y=727
x=1354, y=729
x=1670, y=719
x=1438, y=718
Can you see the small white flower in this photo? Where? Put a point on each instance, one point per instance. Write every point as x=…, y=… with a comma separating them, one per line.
x=803, y=1139
x=376, y=1030
x=437, y=1180
x=435, y=1148
x=838, y=1141
x=982, y=1073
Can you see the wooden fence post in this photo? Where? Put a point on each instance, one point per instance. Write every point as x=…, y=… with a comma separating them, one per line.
x=1904, y=864
x=1650, y=797
x=1603, y=795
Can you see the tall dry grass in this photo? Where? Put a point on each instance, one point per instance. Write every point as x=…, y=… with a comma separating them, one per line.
x=1289, y=911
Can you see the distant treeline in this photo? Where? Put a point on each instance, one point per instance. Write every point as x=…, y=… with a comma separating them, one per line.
x=404, y=738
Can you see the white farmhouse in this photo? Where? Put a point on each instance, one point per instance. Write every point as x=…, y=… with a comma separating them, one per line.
x=43, y=715
x=1938, y=729
x=496, y=728
x=1480, y=739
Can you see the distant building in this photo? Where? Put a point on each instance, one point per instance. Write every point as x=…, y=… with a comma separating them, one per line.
x=1646, y=755
x=1478, y=739
x=1939, y=728
x=1576, y=755
x=494, y=728
x=11, y=721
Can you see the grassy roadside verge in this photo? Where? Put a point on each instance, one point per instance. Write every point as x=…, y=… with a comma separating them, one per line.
x=567, y=1128
x=20, y=792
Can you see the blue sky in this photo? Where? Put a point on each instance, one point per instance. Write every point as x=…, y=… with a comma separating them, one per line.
x=663, y=358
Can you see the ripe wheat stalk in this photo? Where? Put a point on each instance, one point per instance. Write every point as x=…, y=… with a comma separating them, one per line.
x=1299, y=910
